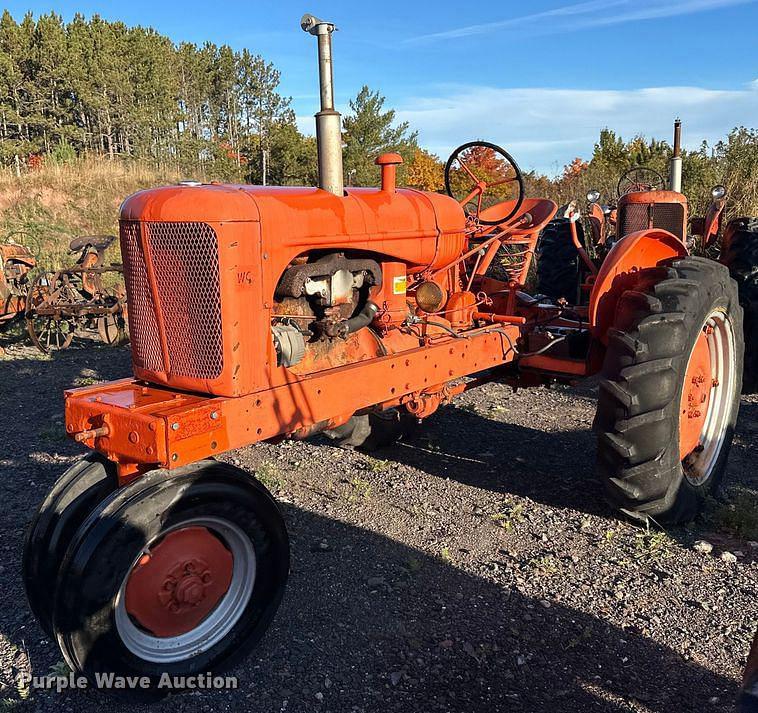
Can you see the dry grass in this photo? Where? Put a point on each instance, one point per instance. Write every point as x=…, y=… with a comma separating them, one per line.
x=46, y=208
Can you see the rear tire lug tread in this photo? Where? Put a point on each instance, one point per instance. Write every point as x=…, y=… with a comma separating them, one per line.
x=638, y=402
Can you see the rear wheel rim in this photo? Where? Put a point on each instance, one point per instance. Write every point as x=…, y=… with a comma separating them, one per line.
x=707, y=397
x=138, y=606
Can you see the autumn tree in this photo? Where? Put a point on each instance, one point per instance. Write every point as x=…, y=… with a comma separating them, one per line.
x=425, y=171
x=575, y=169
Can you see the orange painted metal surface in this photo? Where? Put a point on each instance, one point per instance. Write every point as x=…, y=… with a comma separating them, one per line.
x=389, y=163
x=618, y=273
x=580, y=249
x=518, y=239
x=650, y=198
x=555, y=365
x=259, y=232
x=696, y=394
x=175, y=585
x=596, y=219
x=712, y=221
x=207, y=369
x=644, y=210
x=154, y=426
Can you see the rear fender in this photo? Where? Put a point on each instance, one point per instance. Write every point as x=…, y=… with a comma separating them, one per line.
x=635, y=252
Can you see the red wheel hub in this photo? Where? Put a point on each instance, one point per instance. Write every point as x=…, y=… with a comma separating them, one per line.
x=696, y=394
x=179, y=581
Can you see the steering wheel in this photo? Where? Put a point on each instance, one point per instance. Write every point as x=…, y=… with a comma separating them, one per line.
x=479, y=175
x=638, y=179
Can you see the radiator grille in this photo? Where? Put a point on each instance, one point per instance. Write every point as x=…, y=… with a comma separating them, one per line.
x=637, y=216
x=669, y=216
x=634, y=217
x=184, y=257
x=143, y=327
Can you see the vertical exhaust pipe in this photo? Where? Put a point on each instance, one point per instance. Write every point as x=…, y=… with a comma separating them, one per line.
x=328, y=121
x=675, y=168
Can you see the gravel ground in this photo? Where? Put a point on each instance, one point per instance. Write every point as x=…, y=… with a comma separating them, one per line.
x=473, y=567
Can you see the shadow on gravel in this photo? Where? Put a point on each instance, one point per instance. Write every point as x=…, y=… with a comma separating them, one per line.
x=556, y=469
x=553, y=468
x=369, y=624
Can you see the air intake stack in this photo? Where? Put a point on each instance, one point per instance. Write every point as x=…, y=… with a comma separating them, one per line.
x=328, y=122
x=675, y=169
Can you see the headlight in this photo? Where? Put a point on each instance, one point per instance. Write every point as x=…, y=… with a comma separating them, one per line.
x=593, y=196
x=430, y=296
x=718, y=192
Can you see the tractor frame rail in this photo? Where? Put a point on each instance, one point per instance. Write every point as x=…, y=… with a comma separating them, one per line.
x=142, y=426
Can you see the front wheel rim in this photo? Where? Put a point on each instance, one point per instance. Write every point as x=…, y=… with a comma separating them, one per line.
x=216, y=624
x=707, y=398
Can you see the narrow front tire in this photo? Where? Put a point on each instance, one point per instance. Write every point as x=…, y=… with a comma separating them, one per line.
x=176, y=573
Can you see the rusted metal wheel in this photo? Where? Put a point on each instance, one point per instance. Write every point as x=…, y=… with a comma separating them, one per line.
x=50, y=331
x=670, y=390
x=181, y=573
x=51, y=334
x=111, y=329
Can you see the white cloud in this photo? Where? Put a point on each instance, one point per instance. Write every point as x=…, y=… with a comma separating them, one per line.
x=577, y=16
x=546, y=128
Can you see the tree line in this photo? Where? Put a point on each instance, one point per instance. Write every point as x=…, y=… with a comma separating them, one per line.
x=91, y=87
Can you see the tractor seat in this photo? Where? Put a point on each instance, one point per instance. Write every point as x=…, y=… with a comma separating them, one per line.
x=99, y=242
x=540, y=210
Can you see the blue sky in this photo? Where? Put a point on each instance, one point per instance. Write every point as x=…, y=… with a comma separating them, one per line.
x=540, y=78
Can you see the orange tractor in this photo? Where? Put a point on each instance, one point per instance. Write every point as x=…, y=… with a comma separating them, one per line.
x=258, y=313
x=645, y=201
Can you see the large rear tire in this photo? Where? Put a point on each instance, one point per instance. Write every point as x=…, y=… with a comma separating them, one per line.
x=177, y=573
x=670, y=390
x=741, y=257
x=558, y=262
x=371, y=431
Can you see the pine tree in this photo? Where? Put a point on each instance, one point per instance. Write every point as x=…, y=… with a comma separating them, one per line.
x=370, y=131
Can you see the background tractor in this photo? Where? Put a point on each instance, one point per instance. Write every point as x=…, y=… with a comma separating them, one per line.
x=87, y=298
x=258, y=313
x=645, y=202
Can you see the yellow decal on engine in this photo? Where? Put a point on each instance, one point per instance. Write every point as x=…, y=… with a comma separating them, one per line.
x=399, y=285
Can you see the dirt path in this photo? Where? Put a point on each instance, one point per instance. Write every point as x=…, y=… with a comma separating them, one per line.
x=471, y=568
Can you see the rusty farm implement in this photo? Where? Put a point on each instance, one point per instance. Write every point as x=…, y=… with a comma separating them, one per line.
x=16, y=265
x=259, y=313
x=87, y=298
